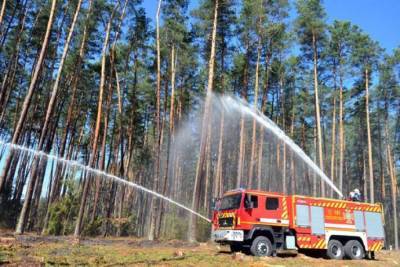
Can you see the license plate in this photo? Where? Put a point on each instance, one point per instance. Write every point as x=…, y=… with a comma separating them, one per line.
x=228, y=235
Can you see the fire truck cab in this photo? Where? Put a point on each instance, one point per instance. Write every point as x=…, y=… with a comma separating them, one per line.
x=265, y=222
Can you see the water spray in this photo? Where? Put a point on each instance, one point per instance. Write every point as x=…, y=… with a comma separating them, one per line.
x=229, y=102
x=73, y=163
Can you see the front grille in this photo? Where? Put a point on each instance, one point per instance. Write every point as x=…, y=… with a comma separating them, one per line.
x=225, y=222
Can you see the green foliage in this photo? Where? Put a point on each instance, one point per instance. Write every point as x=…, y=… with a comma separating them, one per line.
x=366, y=52
x=203, y=230
x=175, y=226
x=93, y=228
x=63, y=212
x=310, y=22
x=129, y=227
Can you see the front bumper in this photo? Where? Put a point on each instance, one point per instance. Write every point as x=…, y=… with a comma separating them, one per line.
x=227, y=235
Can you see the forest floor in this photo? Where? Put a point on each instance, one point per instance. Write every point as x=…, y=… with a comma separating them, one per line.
x=34, y=250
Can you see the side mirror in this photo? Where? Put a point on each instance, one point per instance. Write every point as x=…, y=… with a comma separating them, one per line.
x=248, y=203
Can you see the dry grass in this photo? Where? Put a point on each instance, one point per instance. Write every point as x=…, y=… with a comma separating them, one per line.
x=31, y=250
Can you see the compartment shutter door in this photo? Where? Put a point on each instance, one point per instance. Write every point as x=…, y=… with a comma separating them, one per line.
x=374, y=225
x=317, y=221
x=302, y=215
x=359, y=220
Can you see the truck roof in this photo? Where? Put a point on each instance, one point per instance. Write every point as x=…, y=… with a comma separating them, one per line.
x=253, y=191
x=317, y=199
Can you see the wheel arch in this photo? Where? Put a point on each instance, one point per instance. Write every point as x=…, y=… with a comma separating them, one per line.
x=344, y=236
x=261, y=231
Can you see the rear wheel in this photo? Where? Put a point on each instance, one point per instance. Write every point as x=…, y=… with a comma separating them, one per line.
x=261, y=246
x=354, y=250
x=335, y=250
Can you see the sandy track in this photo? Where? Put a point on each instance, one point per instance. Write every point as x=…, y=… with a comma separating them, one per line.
x=34, y=250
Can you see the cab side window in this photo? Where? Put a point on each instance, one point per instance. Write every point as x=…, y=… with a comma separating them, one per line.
x=272, y=203
x=250, y=201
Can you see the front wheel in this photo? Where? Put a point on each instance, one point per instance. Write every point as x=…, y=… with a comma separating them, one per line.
x=335, y=250
x=354, y=250
x=261, y=246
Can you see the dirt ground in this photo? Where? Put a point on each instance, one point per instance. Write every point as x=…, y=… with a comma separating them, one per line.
x=34, y=250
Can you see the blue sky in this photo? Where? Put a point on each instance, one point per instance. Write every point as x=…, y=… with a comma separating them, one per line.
x=379, y=18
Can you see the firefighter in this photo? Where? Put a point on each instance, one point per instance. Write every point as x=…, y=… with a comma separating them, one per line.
x=355, y=195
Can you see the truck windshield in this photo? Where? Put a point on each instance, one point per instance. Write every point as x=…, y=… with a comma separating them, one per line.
x=230, y=202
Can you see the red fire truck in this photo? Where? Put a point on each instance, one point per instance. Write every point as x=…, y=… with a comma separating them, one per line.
x=265, y=223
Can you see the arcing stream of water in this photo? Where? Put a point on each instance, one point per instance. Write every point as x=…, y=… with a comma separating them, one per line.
x=72, y=163
x=232, y=103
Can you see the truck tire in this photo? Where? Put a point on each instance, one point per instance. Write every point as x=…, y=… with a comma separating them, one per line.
x=354, y=250
x=335, y=250
x=261, y=246
x=236, y=247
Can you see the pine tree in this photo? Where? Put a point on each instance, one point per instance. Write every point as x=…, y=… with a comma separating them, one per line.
x=364, y=57
x=93, y=154
x=205, y=133
x=310, y=27
x=339, y=50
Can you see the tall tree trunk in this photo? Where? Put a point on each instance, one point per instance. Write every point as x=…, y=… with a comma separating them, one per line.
x=56, y=184
x=370, y=163
x=112, y=70
x=263, y=109
x=314, y=180
x=292, y=159
x=283, y=168
x=170, y=136
x=102, y=157
x=242, y=140
x=120, y=170
x=41, y=170
x=218, y=180
x=364, y=179
x=26, y=104
x=97, y=127
x=341, y=129
x=25, y=209
x=52, y=102
x=207, y=110
x=218, y=175
x=44, y=129
x=317, y=112
x=3, y=8
x=381, y=160
x=3, y=34
x=393, y=178
x=254, y=133
x=333, y=143
x=242, y=147
x=154, y=202
x=8, y=79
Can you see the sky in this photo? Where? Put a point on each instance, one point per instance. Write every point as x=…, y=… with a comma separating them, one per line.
x=379, y=18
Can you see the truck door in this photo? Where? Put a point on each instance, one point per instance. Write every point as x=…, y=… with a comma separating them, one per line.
x=273, y=211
